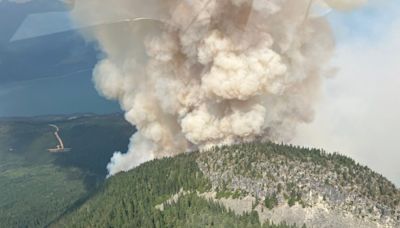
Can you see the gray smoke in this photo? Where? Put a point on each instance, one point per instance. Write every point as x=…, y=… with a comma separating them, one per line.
x=210, y=72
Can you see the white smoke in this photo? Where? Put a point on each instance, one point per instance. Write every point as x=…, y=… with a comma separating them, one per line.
x=211, y=72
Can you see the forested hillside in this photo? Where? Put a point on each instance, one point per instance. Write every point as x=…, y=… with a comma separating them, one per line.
x=36, y=186
x=130, y=200
x=245, y=185
x=210, y=188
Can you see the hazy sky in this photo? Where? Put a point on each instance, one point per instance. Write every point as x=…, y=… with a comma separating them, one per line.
x=358, y=114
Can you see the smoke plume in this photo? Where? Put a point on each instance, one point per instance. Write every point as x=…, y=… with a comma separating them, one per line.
x=210, y=72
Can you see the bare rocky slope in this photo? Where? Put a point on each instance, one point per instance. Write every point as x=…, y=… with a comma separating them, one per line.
x=302, y=186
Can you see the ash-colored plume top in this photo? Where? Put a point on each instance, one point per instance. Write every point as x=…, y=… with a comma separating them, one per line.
x=209, y=72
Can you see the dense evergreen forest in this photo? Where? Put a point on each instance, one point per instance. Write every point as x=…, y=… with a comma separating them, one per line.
x=130, y=199
x=39, y=189
x=36, y=187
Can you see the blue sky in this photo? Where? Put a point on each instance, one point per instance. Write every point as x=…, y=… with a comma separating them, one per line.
x=368, y=22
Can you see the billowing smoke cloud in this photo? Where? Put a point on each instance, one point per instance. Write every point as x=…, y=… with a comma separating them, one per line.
x=210, y=72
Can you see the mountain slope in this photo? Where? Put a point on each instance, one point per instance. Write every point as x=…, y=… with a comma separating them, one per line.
x=130, y=200
x=36, y=186
x=303, y=186
x=251, y=184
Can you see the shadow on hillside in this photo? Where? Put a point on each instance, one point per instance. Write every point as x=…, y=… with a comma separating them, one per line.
x=93, y=145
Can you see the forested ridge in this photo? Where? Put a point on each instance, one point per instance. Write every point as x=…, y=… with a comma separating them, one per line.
x=278, y=174
x=40, y=189
x=129, y=200
x=275, y=174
